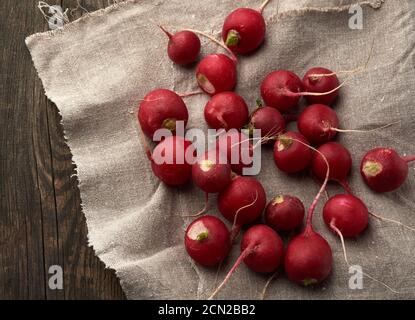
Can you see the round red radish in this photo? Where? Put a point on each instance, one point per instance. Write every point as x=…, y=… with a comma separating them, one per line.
x=314, y=81
x=384, y=170
x=160, y=109
x=226, y=110
x=290, y=155
x=211, y=172
x=277, y=89
x=245, y=197
x=238, y=149
x=267, y=249
x=207, y=241
x=183, y=47
x=284, y=213
x=269, y=120
x=339, y=159
x=170, y=161
x=308, y=258
x=316, y=123
x=347, y=213
x=244, y=30
x=216, y=73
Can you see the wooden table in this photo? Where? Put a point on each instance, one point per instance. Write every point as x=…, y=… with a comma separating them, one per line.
x=41, y=222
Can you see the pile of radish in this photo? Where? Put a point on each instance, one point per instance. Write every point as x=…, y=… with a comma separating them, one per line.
x=307, y=259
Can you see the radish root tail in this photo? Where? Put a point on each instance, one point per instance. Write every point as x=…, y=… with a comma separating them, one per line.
x=201, y=211
x=392, y=221
x=338, y=232
x=264, y=291
x=365, y=131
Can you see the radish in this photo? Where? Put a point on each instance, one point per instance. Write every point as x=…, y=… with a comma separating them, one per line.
x=169, y=160
x=347, y=216
x=269, y=121
x=308, y=259
x=207, y=241
x=242, y=202
x=290, y=154
x=318, y=123
x=262, y=251
x=274, y=90
x=384, y=170
x=226, y=110
x=183, y=47
x=283, y=89
x=161, y=108
x=284, y=213
x=244, y=29
x=216, y=73
x=321, y=80
x=346, y=212
x=238, y=149
x=211, y=172
x=340, y=162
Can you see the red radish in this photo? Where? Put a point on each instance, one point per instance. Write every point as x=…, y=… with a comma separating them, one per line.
x=216, y=73
x=347, y=216
x=308, y=259
x=159, y=109
x=269, y=121
x=226, y=110
x=318, y=123
x=384, y=170
x=244, y=30
x=183, y=47
x=346, y=212
x=274, y=90
x=238, y=149
x=169, y=160
x=211, y=173
x=284, y=213
x=321, y=80
x=290, y=155
x=243, y=201
x=262, y=251
x=207, y=241
x=340, y=162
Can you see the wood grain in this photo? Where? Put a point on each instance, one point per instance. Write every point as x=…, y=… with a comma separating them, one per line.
x=41, y=222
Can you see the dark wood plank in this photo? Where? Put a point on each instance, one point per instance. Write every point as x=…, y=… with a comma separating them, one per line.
x=41, y=223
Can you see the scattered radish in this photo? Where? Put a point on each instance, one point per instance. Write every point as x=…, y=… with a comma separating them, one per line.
x=207, y=241
x=321, y=80
x=284, y=213
x=340, y=162
x=243, y=201
x=226, y=110
x=169, y=160
x=384, y=170
x=346, y=212
x=269, y=120
x=290, y=155
x=216, y=73
x=347, y=216
x=244, y=30
x=317, y=123
x=262, y=251
x=159, y=109
x=183, y=47
x=238, y=149
x=274, y=90
x=211, y=173
x=308, y=258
